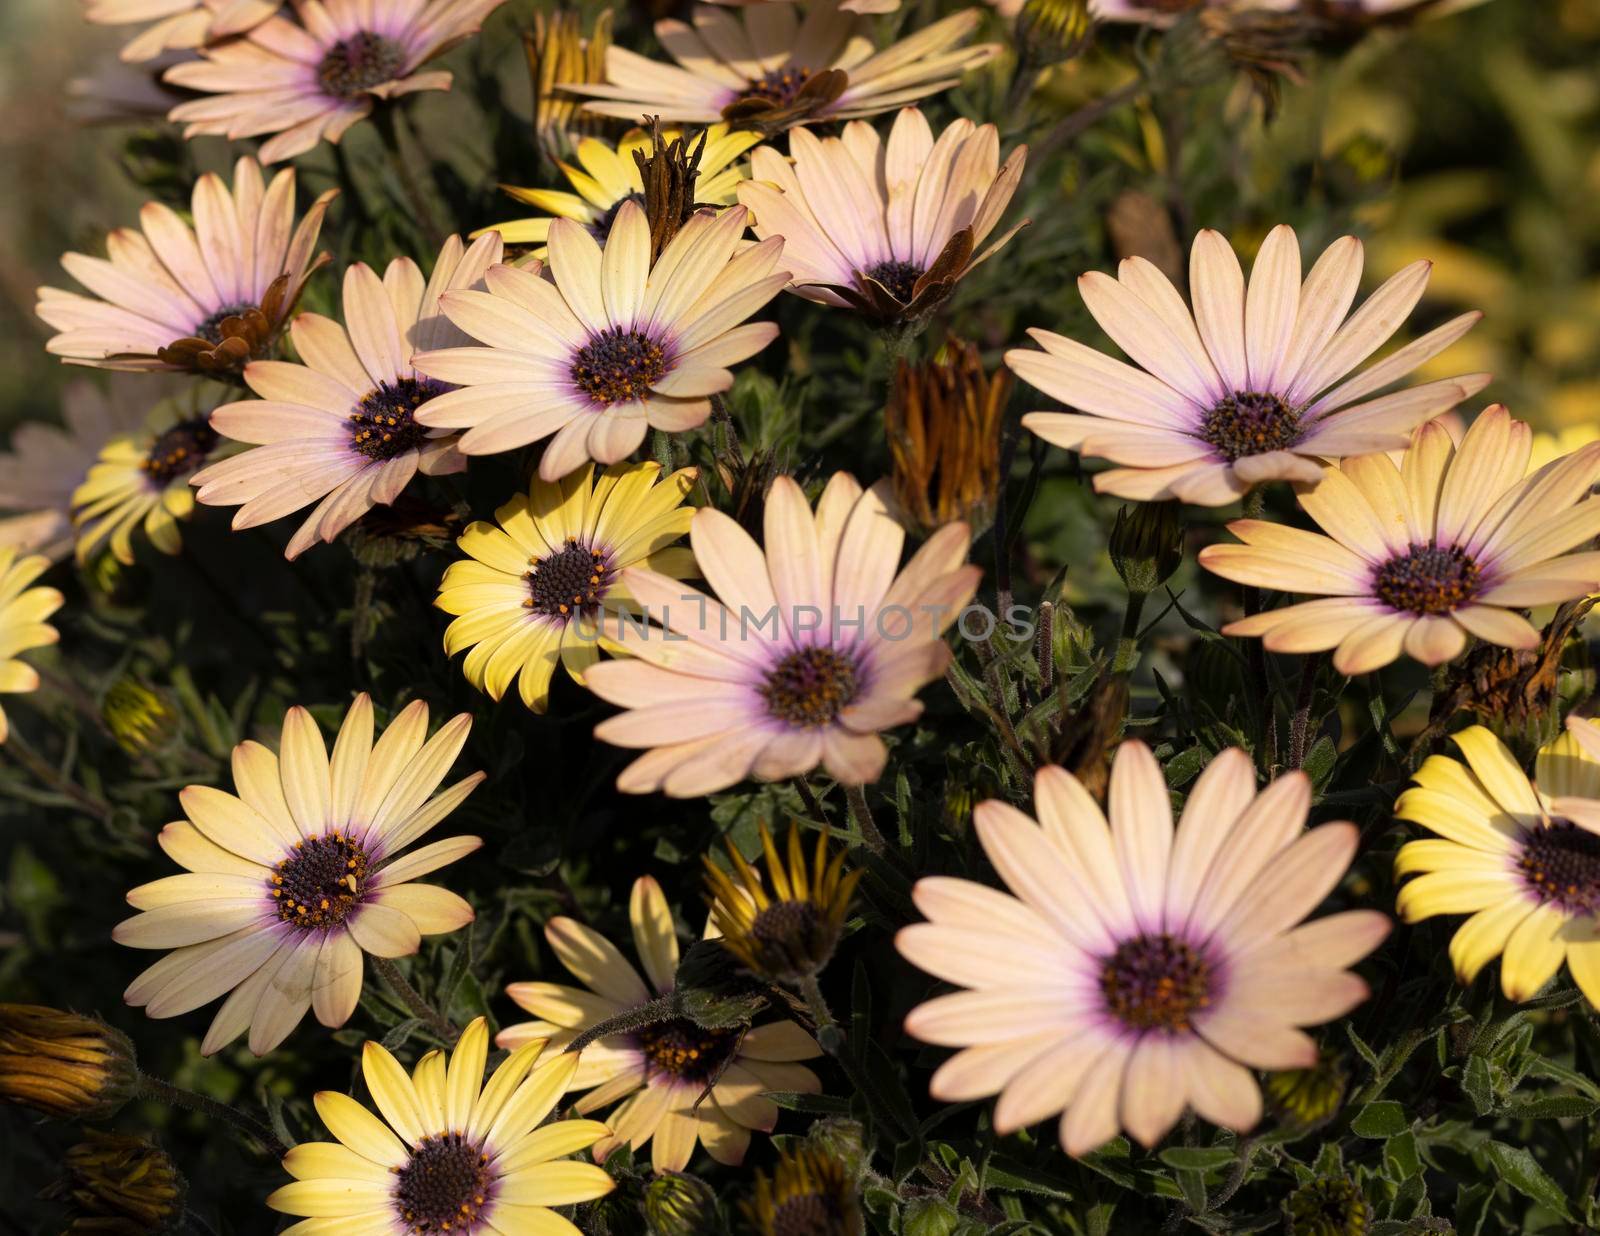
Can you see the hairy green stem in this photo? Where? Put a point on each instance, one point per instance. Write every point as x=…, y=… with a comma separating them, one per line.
x=386, y=117
x=176, y=1096
x=409, y=996
x=861, y=813
x=1126, y=658
x=43, y=770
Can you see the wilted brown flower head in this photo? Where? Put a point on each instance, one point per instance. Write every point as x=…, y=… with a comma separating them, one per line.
x=669, y=173
x=117, y=1185
x=64, y=1065
x=943, y=421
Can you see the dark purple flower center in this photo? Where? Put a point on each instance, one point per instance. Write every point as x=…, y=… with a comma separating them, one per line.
x=1157, y=982
x=810, y=687
x=1428, y=579
x=179, y=451
x=321, y=881
x=618, y=366
x=1251, y=423
x=900, y=278
x=777, y=86
x=682, y=1049
x=571, y=581
x=1561, y=863
x=383, y=424
x=444, y=1186
x=600, y=229
x=355, y=65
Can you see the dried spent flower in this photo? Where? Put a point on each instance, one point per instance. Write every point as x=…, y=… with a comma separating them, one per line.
x=669, y=173
x=943, y=420
x=116, y=1185
x=63, y=1065
x=790, y=934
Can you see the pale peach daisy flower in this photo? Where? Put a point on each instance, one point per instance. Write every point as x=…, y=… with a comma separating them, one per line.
x=1134, y=969
x=1247, y=388
x=451, y=1154
x=306, y=81
x=604, y=346
x=204, y=298
x=46, y=463
x=535, y=586
x=885, y=228
x=178, y=25
x=659, y=1073
x=342, y=429
x=296, y=875
x=765, y=67
x=1520, y=858
x=811, y=647
x=1415, y=558
x=23, y=610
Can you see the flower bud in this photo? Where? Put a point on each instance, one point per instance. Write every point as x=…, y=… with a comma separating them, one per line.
x=810, y=1191
x=64, y=1065
x=139, y=718
x=1306, y=1098
x=790, y=933
x=558, y=55
x=1327, y=1206
x=119, y=1186
x=1050, y=31
x=678, y=1204
x=1147, y=545
x=943, y=420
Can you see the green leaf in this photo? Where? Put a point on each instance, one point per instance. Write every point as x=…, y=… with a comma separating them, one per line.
x=1379, y=1120
x=1007, y=1174
x=811, y=1104
x=1198, y=1158
x=1319, y=761
x=1193, y=1185
x=1522, y=1172
x=1478, y=1086
x=1552, y=1107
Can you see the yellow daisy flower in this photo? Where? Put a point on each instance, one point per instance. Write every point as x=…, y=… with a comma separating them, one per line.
x=143, y=478
x=451, y=1153
x=534, y=589
x=1523, y=862
x=608, y=176
x=23, y=611
x=1414, y=558
x=658, y=1076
